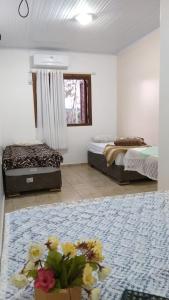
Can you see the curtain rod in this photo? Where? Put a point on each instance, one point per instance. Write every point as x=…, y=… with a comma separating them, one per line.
x=49, y=70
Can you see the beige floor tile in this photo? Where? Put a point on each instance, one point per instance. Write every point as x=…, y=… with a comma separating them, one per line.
x=23, y=202
x=79, y=182
x=9, y=205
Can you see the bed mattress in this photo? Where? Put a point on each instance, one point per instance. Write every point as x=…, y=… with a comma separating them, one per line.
x=134, y=230
x=34, y=156
x=98, y=148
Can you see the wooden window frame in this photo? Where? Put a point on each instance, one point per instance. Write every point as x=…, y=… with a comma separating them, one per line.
x=88, y=96
x=34, y=96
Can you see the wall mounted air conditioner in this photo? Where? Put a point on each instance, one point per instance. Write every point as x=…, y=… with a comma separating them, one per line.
x=57, y=61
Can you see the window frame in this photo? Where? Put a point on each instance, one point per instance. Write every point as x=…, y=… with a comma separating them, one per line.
x=34, y=80
x=88, y=96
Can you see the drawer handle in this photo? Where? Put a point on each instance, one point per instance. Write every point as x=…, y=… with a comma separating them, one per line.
x=29, y=180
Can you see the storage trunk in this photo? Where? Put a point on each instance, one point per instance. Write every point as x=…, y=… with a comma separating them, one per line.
x=67, y=294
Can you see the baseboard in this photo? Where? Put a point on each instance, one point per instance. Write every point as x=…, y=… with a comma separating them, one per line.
x=2, y=213
x=73, y=164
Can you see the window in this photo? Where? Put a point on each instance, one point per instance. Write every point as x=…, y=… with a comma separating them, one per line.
x=77, y=99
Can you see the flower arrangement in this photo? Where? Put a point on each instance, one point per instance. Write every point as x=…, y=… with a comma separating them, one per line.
x=64, y=266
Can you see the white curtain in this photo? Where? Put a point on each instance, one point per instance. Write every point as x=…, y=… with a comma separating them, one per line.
x=51, y=113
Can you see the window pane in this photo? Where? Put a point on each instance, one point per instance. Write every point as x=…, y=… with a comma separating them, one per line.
x=74, y=101
x=78, y=99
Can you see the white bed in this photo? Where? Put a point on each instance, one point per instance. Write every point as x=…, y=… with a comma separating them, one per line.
x=98, y=148
x=143, y=161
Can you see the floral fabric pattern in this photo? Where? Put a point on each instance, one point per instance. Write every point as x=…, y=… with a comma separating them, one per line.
x=34, y=156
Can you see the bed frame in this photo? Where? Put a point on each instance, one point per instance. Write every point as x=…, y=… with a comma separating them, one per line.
x=15, y=185
x=117, y=173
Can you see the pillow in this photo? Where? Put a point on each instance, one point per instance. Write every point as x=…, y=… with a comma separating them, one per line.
x=130, y=141
x=27, y=143
x=103, y=139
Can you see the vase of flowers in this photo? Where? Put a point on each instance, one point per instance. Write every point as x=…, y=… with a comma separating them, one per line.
x=63, y=270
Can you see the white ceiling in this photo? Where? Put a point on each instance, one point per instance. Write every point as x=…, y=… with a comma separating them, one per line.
x=50, y=26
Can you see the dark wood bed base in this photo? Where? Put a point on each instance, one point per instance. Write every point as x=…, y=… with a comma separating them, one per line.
x=98, y=161
x=15, y=185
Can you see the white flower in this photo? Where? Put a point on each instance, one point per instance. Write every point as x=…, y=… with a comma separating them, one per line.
x=35, y=252
x=52, y=243
x=95, y=294
x=19, y=281
x=104, y=273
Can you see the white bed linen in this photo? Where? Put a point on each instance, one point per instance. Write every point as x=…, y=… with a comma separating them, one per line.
x=98, y=148
x=146, y=165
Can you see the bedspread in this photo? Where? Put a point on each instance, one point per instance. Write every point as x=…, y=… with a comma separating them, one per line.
x=34, y=156
x=143, y=161
x=111, y=152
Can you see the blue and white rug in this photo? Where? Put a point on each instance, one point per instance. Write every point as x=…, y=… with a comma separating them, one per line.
x=134, y=230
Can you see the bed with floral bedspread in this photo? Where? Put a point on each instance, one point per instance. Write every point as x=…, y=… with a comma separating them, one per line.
x=31, y=168
x=32, y=156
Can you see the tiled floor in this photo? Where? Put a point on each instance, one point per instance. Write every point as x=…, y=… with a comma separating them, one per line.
x=79, y=182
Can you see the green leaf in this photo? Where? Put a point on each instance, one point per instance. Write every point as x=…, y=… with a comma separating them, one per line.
x=71, y=265
x=77, y=282
x=94, y=266
x=33, y=274
x=53, y=261
x=58, y=285
x=77, y=265
x=63, y=276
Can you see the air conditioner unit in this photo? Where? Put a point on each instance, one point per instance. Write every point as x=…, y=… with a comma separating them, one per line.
x=56, y=61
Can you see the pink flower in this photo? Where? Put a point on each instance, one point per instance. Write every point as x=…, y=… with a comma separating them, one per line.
x=45, y=280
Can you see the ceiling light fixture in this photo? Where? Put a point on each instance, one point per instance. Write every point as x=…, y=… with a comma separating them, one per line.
x=84, y=18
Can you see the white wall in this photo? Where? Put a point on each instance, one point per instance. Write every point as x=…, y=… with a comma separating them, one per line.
x=164, y=98
x=16, y=94
x=138, y=89
x=18, y=120
x=103, y=102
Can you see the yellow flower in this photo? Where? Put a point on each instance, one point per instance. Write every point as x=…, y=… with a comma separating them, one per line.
x=98, y=257
x=52, y=243
x=82, y=245
x=95, y=253
x=19, y=281
x=94, y=243
x=104, y=273
x=95, y=294
x=88, y=278
x=35, y=252
x=69, y=249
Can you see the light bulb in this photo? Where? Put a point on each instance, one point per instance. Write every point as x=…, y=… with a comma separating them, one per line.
x=84, y=18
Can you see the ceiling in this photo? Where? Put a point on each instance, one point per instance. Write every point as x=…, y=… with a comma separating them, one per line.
x=50, y=24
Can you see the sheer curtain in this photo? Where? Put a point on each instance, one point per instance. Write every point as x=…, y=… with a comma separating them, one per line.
x=51, y=113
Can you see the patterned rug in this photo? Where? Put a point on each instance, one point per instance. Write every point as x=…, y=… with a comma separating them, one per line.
x=134, y=230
